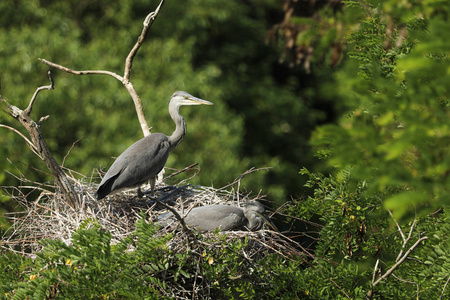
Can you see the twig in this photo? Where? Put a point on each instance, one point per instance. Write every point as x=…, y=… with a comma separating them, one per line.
x=177, y=216
x=375, y=271
x=405, y=240
x=300, y=219
x=29, y=143
x=181, y=171
x=238, y=179
x=398, y=226
x=75, y=72
x=27, y=110
x=125, y=79
x=68, y=152
x=147, y=24
x=392, y=269
x=445, y=286
x=346, y=295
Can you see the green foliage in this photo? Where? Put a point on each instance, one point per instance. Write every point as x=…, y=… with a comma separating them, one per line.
x=437, y=260
x=395, y=133
x=140, y=267
x=346, y=214
x=92, y=267
x=354, y=231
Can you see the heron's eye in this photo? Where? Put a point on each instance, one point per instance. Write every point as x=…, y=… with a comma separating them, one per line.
x=185, y=97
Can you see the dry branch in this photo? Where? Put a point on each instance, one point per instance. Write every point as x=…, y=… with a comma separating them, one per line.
x=125, y=79
x=39, y=143
x=400, y=261
x=400, y=258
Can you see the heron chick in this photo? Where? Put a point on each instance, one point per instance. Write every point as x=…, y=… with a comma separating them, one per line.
x=143, y=160
x=208, y=218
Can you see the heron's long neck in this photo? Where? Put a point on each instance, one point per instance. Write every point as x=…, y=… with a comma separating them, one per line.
x=180, y=129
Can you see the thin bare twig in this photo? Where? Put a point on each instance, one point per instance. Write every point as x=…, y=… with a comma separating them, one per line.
x=405, y=239
x=177, y=216
x=445, y=286
x=346, y=295
x=375, y=271
x=400, y=261
x=51, y=86
x=181, y=171
x=29, y=143
x=85, y=72
x=147, y=24
x=238, y=179
x=125, y=79
x=398, y=226
x=68, y=152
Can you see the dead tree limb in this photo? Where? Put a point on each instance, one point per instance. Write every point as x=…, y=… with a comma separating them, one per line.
x=39, y=144
x=125, y=79
x=400, y=258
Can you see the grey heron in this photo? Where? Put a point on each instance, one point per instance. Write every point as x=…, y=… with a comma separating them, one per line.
x=143, y=160
x=226, y=217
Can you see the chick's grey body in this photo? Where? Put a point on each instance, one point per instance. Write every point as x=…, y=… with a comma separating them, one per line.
x=143, y=160
x=225, y=217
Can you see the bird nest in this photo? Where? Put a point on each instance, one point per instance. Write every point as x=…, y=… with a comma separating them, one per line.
x=50, y=217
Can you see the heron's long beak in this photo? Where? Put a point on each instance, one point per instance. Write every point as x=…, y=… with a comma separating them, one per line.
x=268, y=221
x=198, y=101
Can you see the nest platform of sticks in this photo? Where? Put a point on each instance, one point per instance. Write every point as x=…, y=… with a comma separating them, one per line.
x=49, y=217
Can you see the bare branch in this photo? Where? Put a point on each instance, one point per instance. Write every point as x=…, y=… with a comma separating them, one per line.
x=177, y=216
x=375, y=271
x=40, y=145
x=392, y=269
x=68, y=152
x=29, y=143
x=42, y=120
x=147, y=24
x=128, y=64
x=27, y=110
x=341, y=289
x=75, y=72
x=238, y=179
x=445, y=286
x=181, y=171
x=405, y=239
x=398, y=226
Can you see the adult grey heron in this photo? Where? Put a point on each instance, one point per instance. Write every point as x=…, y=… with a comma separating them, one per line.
x=143, y=160
x=208, y=218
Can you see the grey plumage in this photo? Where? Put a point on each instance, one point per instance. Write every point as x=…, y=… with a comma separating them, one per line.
x=143, y=160
x=208, y=218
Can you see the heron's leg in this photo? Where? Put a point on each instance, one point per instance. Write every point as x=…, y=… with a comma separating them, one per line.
x=152, y=181
x=139, y=193
x=152, y=185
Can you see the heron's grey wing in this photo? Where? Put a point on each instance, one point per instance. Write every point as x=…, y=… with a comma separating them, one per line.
x=141, y=161
x=209, y=218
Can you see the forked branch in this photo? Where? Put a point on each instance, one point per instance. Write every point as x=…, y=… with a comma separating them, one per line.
x=39, y=145
x=400, y=258
x=125, y=79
